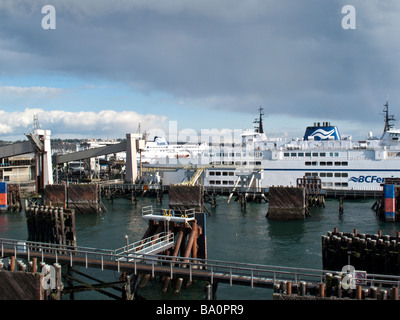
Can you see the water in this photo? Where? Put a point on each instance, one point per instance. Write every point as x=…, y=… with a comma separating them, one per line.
x=231, y=236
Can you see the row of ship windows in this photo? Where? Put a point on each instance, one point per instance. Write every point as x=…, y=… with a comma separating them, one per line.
x=238, y=163
x=327, y=163
x=324, y=184
x=308, y=154
x=327, y=174
x=336, y=184
x=233, y=154
x=307, y=174
x=224, y=182
x=223, y=173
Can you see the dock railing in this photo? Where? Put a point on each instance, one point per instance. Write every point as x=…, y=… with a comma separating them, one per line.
x=151, y=245
x=168, y=214
x=205, y=269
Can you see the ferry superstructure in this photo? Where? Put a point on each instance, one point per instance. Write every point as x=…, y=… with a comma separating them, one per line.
x=160, y=150
x=340, y=162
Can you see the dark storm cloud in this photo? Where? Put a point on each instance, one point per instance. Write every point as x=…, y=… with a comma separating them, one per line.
x=292, y=57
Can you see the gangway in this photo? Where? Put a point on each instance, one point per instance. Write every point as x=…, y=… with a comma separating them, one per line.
x=193, y=180
x=151, y=245
x=168, y=215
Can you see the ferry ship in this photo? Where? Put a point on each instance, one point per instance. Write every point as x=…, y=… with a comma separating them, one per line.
x=259, y=162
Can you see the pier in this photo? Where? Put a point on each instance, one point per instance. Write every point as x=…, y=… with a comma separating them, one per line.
x=120, y=187
x=283, y=280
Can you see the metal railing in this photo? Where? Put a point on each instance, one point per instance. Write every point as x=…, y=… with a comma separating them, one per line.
x=207, y=269
x=150, y=245
x=168, y=214
x=32, y=248
x=188, y=213
x=147, y=210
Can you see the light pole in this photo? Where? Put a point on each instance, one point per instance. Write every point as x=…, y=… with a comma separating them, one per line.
x=127, y=243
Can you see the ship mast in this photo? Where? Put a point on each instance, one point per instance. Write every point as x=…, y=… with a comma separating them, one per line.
x=260, y=128
x=388, y=118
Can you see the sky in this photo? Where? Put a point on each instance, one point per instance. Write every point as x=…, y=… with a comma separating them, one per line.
x=105, y=67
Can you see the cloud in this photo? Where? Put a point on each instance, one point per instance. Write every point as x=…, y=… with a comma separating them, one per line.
x=104, y=123
x=27, y=91
x=291, y=57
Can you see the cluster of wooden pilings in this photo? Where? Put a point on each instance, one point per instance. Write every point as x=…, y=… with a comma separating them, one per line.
x=374, y=253
x=331, y=289
x=13, y=198
x=190, y=243
x=51, y=224
x=315, y=200
x=28, y=280
x=244, y=197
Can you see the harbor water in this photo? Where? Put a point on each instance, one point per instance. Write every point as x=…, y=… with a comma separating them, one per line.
x=232, y=235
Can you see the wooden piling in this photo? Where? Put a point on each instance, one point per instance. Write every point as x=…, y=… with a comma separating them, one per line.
x=338, y=286
x=127, y=293
x=166, y=283
x=214, y=287
x=322, y=290
x=34, y=264
x=243, y=201
x=373, y=292
x=178, y=285
x=213, y=200
x=359, y=292
x=341, y=205
x=143, y=280
x=12, y=264
x=394, y=295
x=58, y=276
x=289, y=288
x=382, y=295
x=303, y=288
